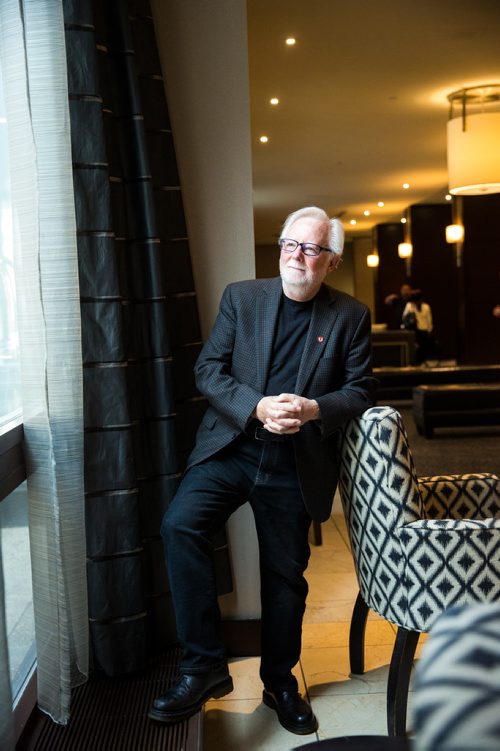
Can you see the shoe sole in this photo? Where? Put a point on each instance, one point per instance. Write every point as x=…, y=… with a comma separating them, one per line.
x=297, y=729
x=220, y=689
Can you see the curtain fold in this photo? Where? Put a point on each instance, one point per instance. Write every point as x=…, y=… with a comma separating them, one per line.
x=140, y=327
x=32, y=48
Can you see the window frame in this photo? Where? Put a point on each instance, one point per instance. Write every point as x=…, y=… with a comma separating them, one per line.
x=12, y=462
x=12, y=474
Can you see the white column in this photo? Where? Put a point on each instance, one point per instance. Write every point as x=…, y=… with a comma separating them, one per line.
x=204, y=56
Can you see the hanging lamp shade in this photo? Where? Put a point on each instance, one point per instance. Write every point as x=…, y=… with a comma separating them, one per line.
x=372, y=260
x=405, y=250
x=473, y=139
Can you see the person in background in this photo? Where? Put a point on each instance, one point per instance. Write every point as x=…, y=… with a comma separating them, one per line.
x=287, y=364
x=496, y=311
x=417, y=315
x=398, y=303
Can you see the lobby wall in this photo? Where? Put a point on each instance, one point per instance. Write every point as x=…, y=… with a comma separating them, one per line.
x=461, y=282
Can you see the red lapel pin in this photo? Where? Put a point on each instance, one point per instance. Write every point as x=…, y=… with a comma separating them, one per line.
x=320, y=339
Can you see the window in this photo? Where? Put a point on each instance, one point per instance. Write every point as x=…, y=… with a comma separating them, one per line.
x=13, y=506
x=16, y=566
x=10, y=394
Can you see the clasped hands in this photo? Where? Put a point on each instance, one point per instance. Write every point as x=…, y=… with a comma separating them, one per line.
x=286, y=413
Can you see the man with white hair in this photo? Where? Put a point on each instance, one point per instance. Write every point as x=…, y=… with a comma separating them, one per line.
x=288, y=362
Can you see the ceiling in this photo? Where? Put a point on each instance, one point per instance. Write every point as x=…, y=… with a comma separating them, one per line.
x=362, y=102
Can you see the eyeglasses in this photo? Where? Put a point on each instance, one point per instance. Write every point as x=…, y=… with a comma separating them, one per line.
x=308, y=249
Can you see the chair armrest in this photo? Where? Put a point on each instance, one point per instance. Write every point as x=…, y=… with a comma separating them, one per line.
x=472, y=496
x=448, y=562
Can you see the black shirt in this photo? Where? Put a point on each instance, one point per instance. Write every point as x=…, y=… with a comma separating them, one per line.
x=289, y=340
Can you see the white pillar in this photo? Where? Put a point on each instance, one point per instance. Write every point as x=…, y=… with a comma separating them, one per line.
x=204, y=55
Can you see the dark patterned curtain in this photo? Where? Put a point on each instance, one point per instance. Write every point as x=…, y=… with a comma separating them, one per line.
x=140, y=324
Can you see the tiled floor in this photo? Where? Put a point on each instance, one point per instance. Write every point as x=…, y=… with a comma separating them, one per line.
x=343, y=704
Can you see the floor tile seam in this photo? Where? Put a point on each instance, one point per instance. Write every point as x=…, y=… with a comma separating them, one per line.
x=343, y=570
x=346, y=646
x=374, y=692
x=347, y=621
x=362, y=682
x=334, y=565
x=344, y=535
x=234, y=700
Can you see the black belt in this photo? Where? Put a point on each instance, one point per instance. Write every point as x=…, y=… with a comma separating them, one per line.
x=261, y=434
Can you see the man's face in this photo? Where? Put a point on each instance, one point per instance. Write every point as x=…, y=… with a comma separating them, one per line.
x=302, y=273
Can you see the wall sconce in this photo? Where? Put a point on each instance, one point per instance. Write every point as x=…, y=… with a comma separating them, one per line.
x=454, y=233
x=405, y=250
x=473, y=137
x=372, y=260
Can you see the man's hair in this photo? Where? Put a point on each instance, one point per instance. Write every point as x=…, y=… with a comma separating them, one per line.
x=335, y=228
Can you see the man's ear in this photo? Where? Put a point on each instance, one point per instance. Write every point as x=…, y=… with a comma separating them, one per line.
x=334, y=263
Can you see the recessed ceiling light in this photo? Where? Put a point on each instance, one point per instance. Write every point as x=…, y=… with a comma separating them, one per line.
x=366, y=212
x=274, y=100
x=448, y=197
x=406, y=186
x=380, y=204
x=290, y=41
x=353, y=221
x=263, y=139
x=403, y=220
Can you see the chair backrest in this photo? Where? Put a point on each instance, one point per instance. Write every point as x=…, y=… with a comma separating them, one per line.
x=379, y=492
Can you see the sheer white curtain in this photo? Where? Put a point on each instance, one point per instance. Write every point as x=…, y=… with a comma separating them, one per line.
x=33, y=60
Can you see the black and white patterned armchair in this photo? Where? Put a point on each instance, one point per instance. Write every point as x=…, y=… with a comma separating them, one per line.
x=420, y=545
x=457, y=682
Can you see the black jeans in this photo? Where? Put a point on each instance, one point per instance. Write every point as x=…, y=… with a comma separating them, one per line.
x=264, y=474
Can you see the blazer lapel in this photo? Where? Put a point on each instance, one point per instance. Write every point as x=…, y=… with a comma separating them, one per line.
x=322, y=320
x=267, y=306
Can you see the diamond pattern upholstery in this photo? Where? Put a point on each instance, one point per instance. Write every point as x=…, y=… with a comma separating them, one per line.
x=457, y=682
x=420, y=545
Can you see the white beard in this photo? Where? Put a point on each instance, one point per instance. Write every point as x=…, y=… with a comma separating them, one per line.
x=296, y=277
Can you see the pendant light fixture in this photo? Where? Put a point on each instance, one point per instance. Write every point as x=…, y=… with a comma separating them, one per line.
x=454, y=233
x=405, y=250
x=473, y=138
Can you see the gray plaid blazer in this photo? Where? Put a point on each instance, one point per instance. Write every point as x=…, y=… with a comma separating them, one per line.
x=335, y=369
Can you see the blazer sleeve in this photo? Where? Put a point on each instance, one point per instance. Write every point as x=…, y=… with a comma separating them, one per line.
x=357, y=392
x=213, y=369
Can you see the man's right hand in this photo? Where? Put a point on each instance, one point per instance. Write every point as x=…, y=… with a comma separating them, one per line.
x=285, y=413
x=281, y=411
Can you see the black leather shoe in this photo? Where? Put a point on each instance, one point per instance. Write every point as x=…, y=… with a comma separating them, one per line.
x=189, y=694
x=293, y=712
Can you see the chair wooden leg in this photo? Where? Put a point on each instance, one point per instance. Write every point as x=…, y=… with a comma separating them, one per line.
x=399, y=680
x=317, y=534
x=357, y=636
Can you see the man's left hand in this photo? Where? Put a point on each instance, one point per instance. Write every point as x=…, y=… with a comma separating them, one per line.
x=304, y=410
